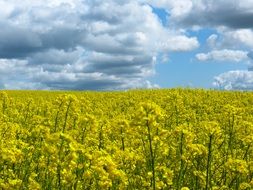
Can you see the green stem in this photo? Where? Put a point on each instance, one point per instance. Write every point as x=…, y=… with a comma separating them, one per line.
x=208, y=166
x=181, y=161
x=151, y=157
x=57, y=116
x=66, y=117
x=122, y=139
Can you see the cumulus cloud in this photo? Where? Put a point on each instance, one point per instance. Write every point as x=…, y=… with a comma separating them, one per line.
x=234, y=38
x=176, y=9
x=223, y=55
x=244, y=36
x=103, y=45
x=84, y=44
x=235, y=80
x=208, y=13
x=178, y=43
x=233, y=14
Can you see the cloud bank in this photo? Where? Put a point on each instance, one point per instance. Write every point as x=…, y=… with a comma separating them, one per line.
x=82, y=44
x=223, y=55
x=113, y=45
x=235, y=80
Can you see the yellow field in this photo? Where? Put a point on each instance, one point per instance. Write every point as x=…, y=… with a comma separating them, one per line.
x=144, y=139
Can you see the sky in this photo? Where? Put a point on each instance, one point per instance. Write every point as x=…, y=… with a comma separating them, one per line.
x=126, y=44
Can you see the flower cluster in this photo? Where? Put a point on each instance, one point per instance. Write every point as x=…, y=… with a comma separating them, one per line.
x=142, y=139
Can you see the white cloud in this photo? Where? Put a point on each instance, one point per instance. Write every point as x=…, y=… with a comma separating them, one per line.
x=83, y=44
x=215, y=13
x=223, y=55
x=239, y=37
x=176, y=9
x=109, y=44
x=179, y=43
x=233, y=37
x=234, y=80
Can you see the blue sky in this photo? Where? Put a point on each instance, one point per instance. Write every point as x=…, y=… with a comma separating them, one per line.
x=183, y=69
x=124, y=44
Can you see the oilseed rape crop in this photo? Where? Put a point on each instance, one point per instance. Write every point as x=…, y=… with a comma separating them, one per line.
x=177, y=139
